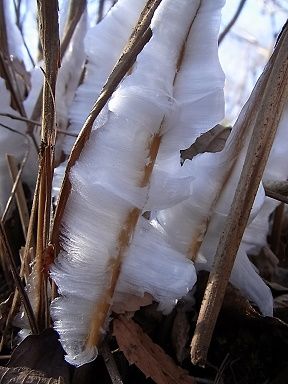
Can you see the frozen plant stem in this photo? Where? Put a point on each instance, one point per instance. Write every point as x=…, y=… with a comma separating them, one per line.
x=102, y=309
x=140, y=36
x=49, y=34
x=270, y=102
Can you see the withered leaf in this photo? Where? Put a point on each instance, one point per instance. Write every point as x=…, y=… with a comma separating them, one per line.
x=211, y=141
x=139, y=349
x=25, y=375
x=43, y=353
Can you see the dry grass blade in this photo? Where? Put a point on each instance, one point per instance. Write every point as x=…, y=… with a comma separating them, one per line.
x=269, y=108
x=140, y=36
x=140, y=350
x=49, y=33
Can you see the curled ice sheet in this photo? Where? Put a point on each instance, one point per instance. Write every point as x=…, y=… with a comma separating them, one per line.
x=198, y=88
x=107, y=194
x=152, y=266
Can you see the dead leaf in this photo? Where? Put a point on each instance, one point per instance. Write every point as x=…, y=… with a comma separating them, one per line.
x=25, y=375
x=139, y=349
x=43, y=353
x=211, y=141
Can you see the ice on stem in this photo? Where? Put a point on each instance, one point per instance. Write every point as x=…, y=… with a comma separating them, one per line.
x=110, y=186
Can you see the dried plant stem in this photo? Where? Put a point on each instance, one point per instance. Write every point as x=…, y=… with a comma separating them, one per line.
x=20, y=196
x=277, y=190
x=8, y=73
x=140, y=36
x=102, y=309
x=276, y=196
x=17, y=281
x=269, y=109
x=75, y=12
x=110, y=364
x=49, y=34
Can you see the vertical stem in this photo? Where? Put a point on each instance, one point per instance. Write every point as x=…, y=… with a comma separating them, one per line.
x=269, y=109
x=49, y=35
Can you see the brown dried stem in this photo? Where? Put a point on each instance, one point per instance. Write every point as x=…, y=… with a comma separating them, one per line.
x=17, y=281
x=269, y=108
x=49, y=34
x=75, y=12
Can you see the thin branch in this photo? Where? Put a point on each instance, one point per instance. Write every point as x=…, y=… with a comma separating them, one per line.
x=232, y=21
x=20, y=118
x=37, y=123
x=269, y=108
